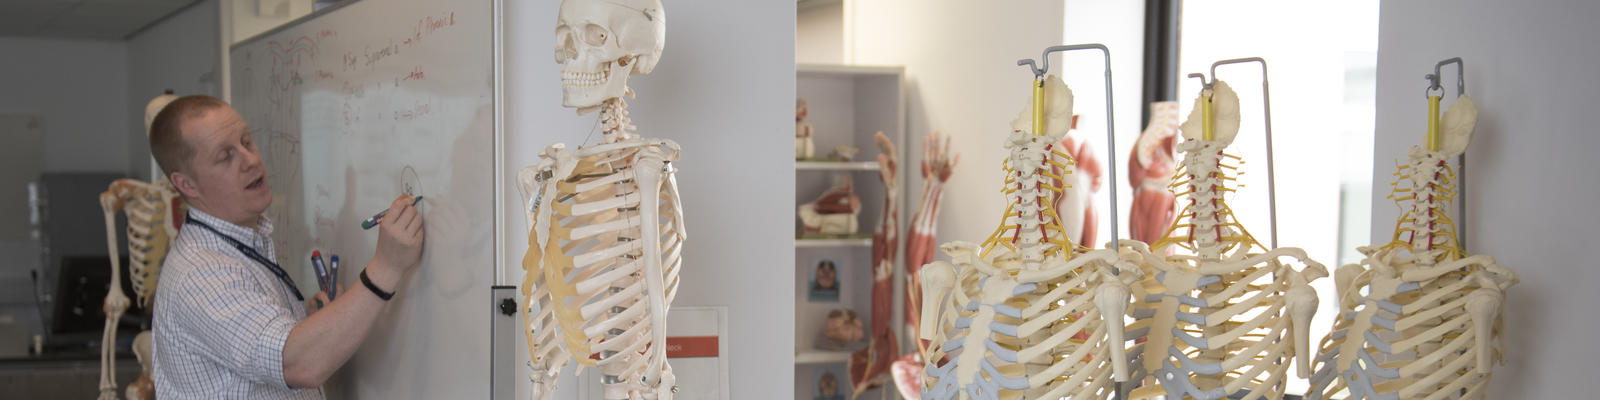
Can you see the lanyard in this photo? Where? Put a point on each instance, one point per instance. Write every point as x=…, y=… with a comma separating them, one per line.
x=251, y=252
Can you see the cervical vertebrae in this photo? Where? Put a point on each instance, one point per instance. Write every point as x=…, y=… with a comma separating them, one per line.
x=1220, y=320
x=1418, y=316
x=1028, y=313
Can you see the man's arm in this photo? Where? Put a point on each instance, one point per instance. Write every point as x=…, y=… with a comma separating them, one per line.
x=322, y=343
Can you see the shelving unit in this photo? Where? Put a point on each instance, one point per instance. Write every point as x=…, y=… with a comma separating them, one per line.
x=848, y=105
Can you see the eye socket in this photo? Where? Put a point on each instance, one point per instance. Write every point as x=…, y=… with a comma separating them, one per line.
x=595, y=35
x=564, y=49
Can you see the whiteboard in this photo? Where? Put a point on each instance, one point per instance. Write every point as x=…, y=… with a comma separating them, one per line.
x=353, y=105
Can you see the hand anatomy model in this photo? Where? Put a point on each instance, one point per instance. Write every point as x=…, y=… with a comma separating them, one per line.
x=1150, y=169
x=1220, y=315
x=155, y=214
x=1028, y=313
x=803, y=131
x=869, y=366
x=606, y=223
x=835, y=212
x=938, y=163
x=1419, y=316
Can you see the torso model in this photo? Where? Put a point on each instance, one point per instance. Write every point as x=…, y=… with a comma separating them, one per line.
x=1419, y=316
x=155, y=214
x=1225, y=314
x=606, y=223
x=1150, y=169
x=1028, y=313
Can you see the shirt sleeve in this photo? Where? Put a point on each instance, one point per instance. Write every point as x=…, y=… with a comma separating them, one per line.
x=235, y=321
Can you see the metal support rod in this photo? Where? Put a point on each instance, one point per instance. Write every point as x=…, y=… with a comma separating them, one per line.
x=1461, y=160
x=1039, y=72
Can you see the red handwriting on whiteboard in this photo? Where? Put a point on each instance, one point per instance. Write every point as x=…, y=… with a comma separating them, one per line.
x=415, y=74
x=430, y=24
x=417, y=110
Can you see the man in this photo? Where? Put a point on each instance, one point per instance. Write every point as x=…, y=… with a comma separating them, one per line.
x=232, y=324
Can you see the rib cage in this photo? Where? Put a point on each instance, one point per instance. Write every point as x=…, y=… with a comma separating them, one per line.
x=604, y=252
x=1413, y=334
x=1020, y=316
x=1220, y=319
x=151, y=228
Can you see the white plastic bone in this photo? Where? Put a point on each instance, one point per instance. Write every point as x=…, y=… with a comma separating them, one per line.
x=1418, y=317
x=600, y=42
x=1028, y=314
x=1224, y=314
x=152, y=225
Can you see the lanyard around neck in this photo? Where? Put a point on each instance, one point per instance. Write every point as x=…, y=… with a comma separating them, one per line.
x=253, y=254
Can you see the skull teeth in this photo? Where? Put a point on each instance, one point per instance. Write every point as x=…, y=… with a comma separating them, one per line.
x=586, y=79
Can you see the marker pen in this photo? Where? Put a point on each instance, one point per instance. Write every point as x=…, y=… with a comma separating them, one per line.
x=333, y=278
x=378, y=218
x=321, y=269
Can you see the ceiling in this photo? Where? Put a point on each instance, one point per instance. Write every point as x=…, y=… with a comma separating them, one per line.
x=83, y=19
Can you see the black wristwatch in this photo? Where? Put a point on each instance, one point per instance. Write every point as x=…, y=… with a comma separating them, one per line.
x=365, y=281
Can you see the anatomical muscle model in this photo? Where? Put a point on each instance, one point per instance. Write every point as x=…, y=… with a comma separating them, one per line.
x=606, y=225
x=1419, y=316
x=1224, y=314
x=1150, y=169
x=155, y=214
x=870, y=366
x=1028, y=313
x=938, y=163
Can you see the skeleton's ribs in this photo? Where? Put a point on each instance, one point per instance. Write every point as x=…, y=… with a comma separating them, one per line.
x=603, y=257
x=151, y=228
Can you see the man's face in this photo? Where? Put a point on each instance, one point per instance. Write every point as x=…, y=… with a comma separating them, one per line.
x=227, y=178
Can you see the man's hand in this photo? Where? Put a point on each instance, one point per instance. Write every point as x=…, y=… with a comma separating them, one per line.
x=399, y=243
x=317, y=302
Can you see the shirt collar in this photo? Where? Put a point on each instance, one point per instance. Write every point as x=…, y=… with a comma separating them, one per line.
x=256, y=237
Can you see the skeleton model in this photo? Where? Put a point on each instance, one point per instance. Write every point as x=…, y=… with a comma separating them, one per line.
x=938, y=164
x=151, y=228
x=1028, y=313
x=1150, y=169
x=1075, y=205
x=606, y=223
x=155, y=213
x=1221, y=314
x=869, y=366
x=1418, y=316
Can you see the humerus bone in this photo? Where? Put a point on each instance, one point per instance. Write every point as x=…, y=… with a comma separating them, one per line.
x=155, y=213
x=1419, y=316
x=1228, y=316
x=1028, y=313
x=603, y=260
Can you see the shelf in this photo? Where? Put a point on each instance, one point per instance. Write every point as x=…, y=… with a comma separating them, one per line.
x=864, y=242
x=821, y=357
x=835, y=166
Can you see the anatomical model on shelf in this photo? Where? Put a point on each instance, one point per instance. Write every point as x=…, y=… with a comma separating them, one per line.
x=1150, y=169
x=1075, y=205
x=1028, y=313
x=841, y=330
x=155, y=214
x=834, y=212
x=1224, y=313
x=938, y=163
x=606, y=224
x=1419, y=317
x=869, y=367
x=803, y=131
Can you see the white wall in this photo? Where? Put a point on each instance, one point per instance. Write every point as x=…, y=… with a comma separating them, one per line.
x=819, y=34
x=182, y=53
x=962, y=78
x=724, y=90
x=1529, y=68
x=80, y=88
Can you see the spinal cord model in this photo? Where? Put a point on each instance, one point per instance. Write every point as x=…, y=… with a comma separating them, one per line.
x=606, y=224
x=1224, y=315
x=1419, y=317
x=1028, y=313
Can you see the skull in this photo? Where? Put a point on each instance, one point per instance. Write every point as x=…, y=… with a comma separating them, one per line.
x=601, y=42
